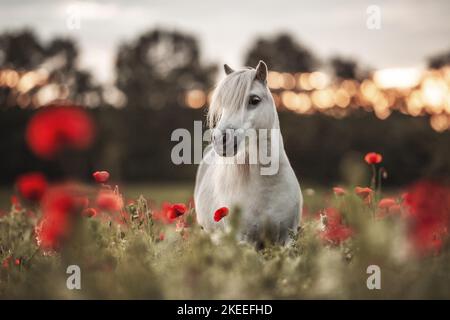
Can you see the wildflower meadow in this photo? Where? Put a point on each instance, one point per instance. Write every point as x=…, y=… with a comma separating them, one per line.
x=224, y=158
x=353, y=241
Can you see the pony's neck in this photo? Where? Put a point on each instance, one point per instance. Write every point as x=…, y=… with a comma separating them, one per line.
x=237, y=173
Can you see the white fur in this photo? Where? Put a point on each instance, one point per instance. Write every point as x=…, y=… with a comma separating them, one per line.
x=265, y=201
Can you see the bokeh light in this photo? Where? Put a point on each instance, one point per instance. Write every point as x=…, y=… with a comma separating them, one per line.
x=409, y=91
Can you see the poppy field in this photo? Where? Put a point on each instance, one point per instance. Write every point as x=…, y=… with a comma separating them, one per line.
x=141, y=247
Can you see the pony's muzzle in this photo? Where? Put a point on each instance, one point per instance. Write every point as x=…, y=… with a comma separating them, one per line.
x=225, y=142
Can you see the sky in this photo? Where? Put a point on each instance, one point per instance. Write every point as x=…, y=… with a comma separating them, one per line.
x=410, y=30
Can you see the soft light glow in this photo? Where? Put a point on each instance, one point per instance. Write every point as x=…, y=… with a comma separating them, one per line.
x=382, y=114
x=303, y=82
x=11, y=78
x=288, y=81
x=414, y=103
x=342, y=98
x=397, y=78
x=351, y=86
x=304, y=103
x=439, y=122
x=27, y=81
x=369, y=90
x=195, y=99
x=434, y=92
x=47, y=94
x=290, y=100
x=274, y=80
x=323, y=99
x=318, y=80
x=114, y=97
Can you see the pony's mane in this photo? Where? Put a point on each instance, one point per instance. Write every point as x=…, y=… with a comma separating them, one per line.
x=230, y=93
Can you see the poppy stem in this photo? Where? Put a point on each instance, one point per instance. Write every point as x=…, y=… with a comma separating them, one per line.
x=380, y=172
x=373, y=183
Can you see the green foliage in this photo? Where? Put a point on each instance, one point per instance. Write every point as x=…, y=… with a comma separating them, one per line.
x=132, y=261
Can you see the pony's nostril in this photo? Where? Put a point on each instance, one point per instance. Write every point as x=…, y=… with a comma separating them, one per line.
x=224, y=139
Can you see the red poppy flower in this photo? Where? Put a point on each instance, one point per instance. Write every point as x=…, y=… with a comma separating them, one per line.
x=364, y=193
x=373, y=158
x=17, y=261
x=176, y=210
x=168, y=213
x=220, y=213
x=6, y=261
x=48, y=234
x=59, y=207
x=334, y=230
x=388, y=207
x=16, y=203
x=32, y=185
x=56, y=128
x=109, y=201
x=89, y=212
x=339, y=191
x=101, y=176
x=429, y=215
x=386, y=203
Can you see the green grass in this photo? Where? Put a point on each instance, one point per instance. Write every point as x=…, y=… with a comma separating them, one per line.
x=131, y=261
x=158, y=192
x=5, y=198
x=173, y=192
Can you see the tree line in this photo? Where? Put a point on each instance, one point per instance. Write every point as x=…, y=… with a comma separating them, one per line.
x=157, y=67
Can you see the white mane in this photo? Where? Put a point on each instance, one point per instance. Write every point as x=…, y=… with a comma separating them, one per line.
x=230, y=93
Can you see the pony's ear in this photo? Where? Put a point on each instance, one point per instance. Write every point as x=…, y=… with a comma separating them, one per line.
x=261, y=71
x=227, y=69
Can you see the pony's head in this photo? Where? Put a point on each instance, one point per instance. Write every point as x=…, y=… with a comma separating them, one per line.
x=241, y=101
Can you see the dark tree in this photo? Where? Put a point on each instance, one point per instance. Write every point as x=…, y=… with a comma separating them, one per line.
x=344, y=68
x=439, y=60
x=157, y=69
x=62, y=57
x=22, y=51
x=65, y=50
x=281, y=53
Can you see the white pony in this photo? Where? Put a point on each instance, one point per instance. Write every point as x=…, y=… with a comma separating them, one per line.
x=270, y=203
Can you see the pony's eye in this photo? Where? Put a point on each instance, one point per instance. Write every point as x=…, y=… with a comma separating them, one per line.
x=254, y=100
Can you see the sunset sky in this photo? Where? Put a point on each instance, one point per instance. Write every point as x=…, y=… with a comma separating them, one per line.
x=410, y=31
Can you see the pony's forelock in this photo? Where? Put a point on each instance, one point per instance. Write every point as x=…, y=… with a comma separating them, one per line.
x=230, y=93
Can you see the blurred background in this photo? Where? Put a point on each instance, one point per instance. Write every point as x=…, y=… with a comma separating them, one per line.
x=347, y=77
